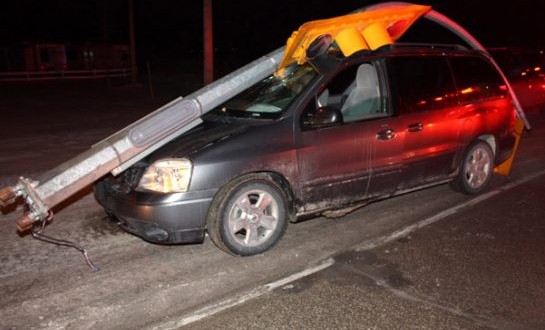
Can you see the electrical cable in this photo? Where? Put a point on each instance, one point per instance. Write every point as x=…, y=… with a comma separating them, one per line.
x=37, y=234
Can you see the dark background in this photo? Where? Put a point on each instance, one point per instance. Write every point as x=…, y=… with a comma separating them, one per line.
x=169, y=32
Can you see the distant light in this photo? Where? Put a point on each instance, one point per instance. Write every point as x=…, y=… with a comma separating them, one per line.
x=537, y=68
x=438, y=99
x=468, y=90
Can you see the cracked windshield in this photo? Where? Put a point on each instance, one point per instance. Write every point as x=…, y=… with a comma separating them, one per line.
x=271, y=95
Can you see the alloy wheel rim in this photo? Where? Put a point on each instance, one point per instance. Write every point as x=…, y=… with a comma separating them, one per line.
x=478, y=168
x=253, y=217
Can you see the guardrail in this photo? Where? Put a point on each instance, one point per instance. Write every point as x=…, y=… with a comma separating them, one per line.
x=65, y=75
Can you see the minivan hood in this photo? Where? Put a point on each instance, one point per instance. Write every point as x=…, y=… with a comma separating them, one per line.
x=196, y=139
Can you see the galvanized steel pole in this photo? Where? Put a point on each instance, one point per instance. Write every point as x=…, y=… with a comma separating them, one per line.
x=208, y=36
x=132, y=47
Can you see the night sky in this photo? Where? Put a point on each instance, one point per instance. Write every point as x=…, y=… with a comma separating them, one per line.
x=170, y=29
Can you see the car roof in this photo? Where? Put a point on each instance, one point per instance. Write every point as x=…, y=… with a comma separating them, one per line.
x=415, y=49
x=431, y=49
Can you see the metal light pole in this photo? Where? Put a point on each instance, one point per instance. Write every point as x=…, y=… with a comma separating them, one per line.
x=132, y=41
x=208, y=42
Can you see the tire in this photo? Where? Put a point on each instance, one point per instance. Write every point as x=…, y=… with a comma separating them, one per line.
x=476, y=169
x=248, y=216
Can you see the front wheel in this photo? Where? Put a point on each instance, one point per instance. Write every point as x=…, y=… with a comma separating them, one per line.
x=249, y=216
x=476, y=169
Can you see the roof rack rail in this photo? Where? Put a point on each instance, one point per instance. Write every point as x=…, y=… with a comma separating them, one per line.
x=432, y=45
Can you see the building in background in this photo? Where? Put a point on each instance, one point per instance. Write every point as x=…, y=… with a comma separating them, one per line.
x=39, y=57
x=45, y=57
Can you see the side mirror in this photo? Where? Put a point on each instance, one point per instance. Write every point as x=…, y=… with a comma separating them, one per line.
x=323, y=117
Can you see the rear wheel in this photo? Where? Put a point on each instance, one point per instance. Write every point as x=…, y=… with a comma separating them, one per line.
x=249, y=216
x=476, y=169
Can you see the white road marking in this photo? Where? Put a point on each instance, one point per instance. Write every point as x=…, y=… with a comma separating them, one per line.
x=294, y=277
x=371, y=244
x=259, y=291
x=241, y=298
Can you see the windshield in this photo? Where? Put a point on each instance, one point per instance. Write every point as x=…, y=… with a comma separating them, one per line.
x=270, y=96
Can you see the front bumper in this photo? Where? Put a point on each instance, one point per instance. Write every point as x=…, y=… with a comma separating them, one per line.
x=159, y=218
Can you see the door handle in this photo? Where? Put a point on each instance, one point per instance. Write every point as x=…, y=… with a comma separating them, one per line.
x=386, y=134
x=415, y=127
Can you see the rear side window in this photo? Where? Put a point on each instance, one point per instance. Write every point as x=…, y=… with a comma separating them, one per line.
x=477, y=80
x=422, y=83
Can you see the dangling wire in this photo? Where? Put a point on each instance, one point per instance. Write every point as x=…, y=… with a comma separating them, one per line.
x=37, y=234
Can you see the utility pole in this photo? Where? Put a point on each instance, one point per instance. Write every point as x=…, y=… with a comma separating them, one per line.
x=132, y=41
x=208, y=42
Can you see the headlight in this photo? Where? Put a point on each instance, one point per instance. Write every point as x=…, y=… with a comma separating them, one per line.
x=167, y=175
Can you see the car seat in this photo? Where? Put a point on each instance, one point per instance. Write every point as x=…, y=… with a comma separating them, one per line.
x=363, y=99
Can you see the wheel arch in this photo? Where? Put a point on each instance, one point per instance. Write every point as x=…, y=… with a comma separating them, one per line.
x=275, y=177
x=491, y=140
x=286, y=187
x=288, y=190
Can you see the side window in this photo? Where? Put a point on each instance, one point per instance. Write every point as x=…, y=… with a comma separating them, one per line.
x=355, y=91
x=341, y=83
x=363, y=100
x=422, y=83
x=477, y=80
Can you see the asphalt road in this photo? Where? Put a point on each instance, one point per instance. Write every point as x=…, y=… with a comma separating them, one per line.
x=481, y=268
x=429, y=259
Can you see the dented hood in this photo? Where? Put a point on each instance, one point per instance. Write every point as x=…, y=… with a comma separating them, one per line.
x=202, y=136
